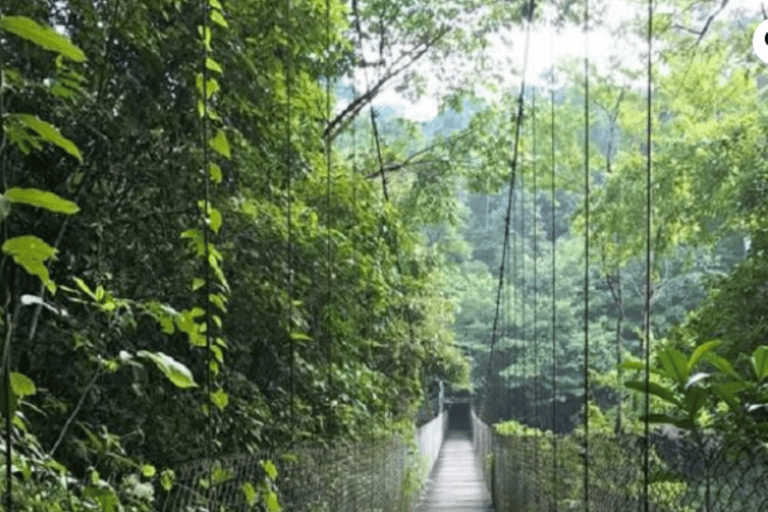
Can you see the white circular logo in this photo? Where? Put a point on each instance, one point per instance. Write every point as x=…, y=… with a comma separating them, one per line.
x=760, y=41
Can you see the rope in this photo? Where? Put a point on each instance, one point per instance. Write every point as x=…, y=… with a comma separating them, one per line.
x=513, y=173
x=648, y=218
x=586, y=255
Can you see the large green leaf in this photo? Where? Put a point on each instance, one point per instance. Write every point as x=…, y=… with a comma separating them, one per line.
x=41, y=199
x=47, y=132
x=176, y=372
x=675, y=365
x=220, y=144
x=42, y=35
x=760, y=362
x=700, y=352
x=22, y=385
x=723, y=365
x=30, y=252
x=654, y=388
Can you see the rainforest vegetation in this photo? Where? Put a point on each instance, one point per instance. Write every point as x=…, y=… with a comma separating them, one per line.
x=216, y=238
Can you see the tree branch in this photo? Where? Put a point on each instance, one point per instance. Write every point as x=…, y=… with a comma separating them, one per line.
x=353, y=109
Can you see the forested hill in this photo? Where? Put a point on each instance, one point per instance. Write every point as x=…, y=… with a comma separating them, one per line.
x=208, y=249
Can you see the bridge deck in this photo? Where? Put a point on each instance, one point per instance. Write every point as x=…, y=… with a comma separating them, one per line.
x=457, y=480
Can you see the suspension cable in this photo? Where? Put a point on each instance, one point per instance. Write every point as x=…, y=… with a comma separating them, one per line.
x=553, y=283
x=328, y=147
x=206, y=250
x=505, y=245
x=289, y=218
x=535, y=294
x=648, y=219
x=586, y=255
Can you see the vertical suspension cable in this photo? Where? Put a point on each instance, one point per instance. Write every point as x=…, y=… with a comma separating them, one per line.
x=523, y=297
x=586, y=255
x=513, y=173
x=6, y=368
x=327, y=147
x=206, y=244
x=535, y=298
x=553, y=283
x=648, y=219
x=289, y=217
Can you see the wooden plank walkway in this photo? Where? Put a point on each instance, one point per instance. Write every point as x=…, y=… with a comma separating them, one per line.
x=456, y=483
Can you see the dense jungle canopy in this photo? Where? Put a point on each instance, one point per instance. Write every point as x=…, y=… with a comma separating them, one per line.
x=218, y=237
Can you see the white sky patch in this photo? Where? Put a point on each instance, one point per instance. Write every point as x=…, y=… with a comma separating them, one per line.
x=607, y=45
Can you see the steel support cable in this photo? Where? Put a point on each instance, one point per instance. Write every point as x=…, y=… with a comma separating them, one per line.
x=553, y=283
x=204, y=225
x=513, y=172
x=648, y=219
x=586, y=255
x=289, y=217
x=523, y=296
x=328, y=147
x=9, y=319
x=535, y=295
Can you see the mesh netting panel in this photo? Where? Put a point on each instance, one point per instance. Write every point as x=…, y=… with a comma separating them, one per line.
x=359, y=477
x=712, y=475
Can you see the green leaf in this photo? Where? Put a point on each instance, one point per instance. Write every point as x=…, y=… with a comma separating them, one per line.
x=694, y=400
x=148, y=470
x=270, y=469
x=22, y=385
x=30, y=252
x=42, y=35
x=675, y=365
x=215, y=220
x=220, y=144
x=213, y=65
x=221, y=475
x=218, y=19
x=197, y=283
x=272, y=504
x=723, y=365
x=700, y=352
x=249, y=493
x=167, y=477
x=654, y=388
x=220, y=399
x=728, y=393
x=47, y=132
x=215, y=172
x=41, y=199
x=81, y=284
x=176, y=372
x=300, y=336
x=215, y=4
x=760, y=362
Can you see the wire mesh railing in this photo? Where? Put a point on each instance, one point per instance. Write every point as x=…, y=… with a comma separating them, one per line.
x=372, y=476
x=711, y=475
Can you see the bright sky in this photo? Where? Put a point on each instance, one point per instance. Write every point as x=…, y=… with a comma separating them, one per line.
x=569, y=44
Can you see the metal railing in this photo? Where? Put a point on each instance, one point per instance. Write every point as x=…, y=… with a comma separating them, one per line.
x=374, y=476
x=715, y=475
